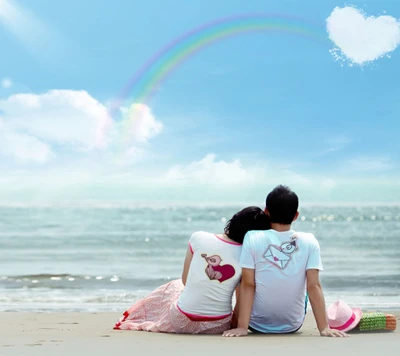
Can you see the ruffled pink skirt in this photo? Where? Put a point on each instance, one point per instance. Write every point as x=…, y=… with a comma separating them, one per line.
x=158, y=312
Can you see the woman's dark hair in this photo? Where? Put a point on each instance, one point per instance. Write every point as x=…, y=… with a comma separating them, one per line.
x=250, y=218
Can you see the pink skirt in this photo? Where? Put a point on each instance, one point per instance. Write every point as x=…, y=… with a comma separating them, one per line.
x=158, y=312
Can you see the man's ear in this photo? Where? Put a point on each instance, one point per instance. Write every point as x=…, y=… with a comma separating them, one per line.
x=266, y=211
x=296, y=216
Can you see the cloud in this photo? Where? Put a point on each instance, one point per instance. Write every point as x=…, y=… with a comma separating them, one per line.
x=337, y=142
x=361, y=39
x=334, y=144
x=58, y=117
x=129, y=138
x=138, y=124
x=209, y=171
x=127, y=157
x=290, y=177
x=212, y=172
x=369, y=164
x=24, y=148
x=328, y=184
x=76, y=123
x=6, y=83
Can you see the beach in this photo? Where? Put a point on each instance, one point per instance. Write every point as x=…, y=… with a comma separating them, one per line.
x=68, y=273
x=29, y=334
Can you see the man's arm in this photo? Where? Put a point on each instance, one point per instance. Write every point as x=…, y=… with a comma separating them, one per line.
x=317, y=301
x=246, y=299
x=186, y=265
x=235, y=315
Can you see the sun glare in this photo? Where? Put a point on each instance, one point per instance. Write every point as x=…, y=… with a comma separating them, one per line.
x=4, y=7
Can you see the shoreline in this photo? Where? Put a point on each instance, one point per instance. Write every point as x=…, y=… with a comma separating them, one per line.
x=84, y=333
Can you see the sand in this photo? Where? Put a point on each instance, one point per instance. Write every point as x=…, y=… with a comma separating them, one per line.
x=26, y=334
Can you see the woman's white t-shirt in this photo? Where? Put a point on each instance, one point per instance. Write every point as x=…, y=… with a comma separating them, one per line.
x=213, y=276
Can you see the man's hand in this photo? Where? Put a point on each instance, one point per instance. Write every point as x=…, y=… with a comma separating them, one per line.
x=235, y=332
x=333, y=333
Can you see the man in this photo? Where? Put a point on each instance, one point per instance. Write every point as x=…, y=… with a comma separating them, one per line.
x=278, y=267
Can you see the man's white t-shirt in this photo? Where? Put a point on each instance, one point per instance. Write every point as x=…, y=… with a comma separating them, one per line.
x=280, y=261
x=213, y=276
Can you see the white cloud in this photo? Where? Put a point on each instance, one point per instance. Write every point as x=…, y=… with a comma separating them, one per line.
x=290, y=177
x=6, y=83
x=370, y=163
x=128, y=139
x=138, y=124
x=78, y=123
x=338, y=142
x=64, y=117
x=359, y=38
x=328, y=184
x=334, y=144
x=127, y=157
x=209, y=171
x=24, y=148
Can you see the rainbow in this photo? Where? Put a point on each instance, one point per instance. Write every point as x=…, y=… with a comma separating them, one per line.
x=149, y=77
x=144, y=83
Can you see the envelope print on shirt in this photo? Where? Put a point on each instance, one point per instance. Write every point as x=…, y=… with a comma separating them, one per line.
x=280, y=256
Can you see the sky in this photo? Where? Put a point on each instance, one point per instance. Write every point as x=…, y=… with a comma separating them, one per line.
x=313, y=104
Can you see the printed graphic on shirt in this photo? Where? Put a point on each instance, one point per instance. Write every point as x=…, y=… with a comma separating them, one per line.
x=280, y=256
x=215, y=271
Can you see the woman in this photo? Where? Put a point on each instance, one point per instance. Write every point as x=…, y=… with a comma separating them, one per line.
x=200, y=303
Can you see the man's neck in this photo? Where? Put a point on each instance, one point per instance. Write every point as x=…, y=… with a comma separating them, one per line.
x=281, y=227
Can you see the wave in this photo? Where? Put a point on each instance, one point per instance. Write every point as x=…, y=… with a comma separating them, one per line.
x=121, y=296
x=118, y=205
x=121, y=210
x=372, y=285
x=38, y=276
x=368, y=282
x=70, y=281
x=119, y=303
x=53, y=299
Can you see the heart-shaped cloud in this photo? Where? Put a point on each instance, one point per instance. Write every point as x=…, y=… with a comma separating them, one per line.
x=359, y=38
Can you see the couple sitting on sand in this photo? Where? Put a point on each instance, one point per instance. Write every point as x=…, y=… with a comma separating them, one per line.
x=272, y=268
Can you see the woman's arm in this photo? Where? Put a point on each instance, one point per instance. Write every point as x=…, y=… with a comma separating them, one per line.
x=186, y=265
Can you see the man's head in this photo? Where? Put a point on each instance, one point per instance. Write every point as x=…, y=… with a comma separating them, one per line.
x=282, y=205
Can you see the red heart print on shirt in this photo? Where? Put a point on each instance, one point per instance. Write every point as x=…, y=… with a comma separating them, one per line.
x=216, y=272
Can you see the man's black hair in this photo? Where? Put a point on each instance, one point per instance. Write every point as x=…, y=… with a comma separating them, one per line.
x=282, y=204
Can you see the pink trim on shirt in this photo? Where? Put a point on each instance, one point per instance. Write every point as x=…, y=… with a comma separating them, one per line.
x=194, y=317
x=228, y=242
x=191, y=248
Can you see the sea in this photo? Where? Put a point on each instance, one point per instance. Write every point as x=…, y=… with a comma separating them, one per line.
x=98, y=257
